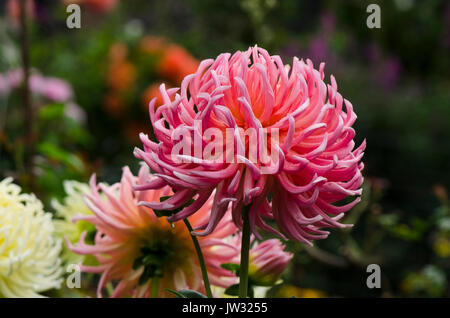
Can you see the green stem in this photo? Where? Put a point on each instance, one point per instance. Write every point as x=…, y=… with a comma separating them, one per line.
x=154, y=287
x=28, y=111
x=245, y=250
x=200, y=259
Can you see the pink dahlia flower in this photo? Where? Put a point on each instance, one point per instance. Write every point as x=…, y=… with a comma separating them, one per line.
x=132, y=245
x=304, y=124
x=268, y=260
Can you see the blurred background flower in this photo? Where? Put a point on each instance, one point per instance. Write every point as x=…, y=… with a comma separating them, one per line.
x=134, y=73
x=65, y=227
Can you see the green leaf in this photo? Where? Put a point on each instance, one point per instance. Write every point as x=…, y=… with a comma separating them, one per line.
x=233, y=290
x=186, y=293
x=52, y=111
x=179, y=295
x=231, y=267
x=53, y=152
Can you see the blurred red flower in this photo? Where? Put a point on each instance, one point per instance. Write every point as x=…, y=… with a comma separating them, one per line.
x=176, y=63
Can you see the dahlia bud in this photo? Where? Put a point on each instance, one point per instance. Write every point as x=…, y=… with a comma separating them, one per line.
x=268, y=260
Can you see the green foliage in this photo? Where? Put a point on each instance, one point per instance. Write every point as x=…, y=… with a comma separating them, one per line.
x=231, y=267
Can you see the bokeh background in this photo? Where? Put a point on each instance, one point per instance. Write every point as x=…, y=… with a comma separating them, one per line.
x=91, y=86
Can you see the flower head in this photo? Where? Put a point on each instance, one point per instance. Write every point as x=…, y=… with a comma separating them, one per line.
x=45, y=90
x=72, y=206
x=50, y=88
x=268, y=260
x=153, y=45
x=134, y=246
x=304, y=124
x=121, y=75
x=57, y=90
x=29, y=254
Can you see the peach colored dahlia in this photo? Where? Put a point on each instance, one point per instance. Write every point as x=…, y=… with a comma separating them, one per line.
x=133, y=246
x=305, y=124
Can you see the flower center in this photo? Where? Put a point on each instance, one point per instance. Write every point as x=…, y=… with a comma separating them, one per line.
x=164, y=250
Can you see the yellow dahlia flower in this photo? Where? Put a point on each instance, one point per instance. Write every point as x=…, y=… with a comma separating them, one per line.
x=29, y=254
x=73, y=204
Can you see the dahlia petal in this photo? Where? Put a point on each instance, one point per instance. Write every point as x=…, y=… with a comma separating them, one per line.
x=197, y=204
x=294, y=189
x=155, y=183
x=177, y=200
